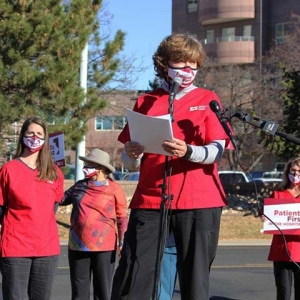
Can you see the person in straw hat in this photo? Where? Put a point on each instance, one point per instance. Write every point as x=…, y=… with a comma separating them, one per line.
x=98, y=223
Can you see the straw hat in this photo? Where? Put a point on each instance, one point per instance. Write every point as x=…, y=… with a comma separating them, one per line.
x=99, y=157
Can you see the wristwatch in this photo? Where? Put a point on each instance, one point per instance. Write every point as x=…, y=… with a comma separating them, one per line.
x=188, y=153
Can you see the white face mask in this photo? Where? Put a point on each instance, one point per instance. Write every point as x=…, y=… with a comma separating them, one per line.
x=89, y=172
x=295, y=179
x=33, y=143
x=186, y=73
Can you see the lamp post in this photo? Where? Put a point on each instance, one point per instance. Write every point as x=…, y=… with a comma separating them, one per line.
x=80, y=151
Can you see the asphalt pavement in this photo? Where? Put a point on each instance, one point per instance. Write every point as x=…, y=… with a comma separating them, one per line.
x=252, y=242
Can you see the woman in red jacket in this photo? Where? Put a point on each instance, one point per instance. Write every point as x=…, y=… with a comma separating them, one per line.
x=30, y=185
x=286, y=264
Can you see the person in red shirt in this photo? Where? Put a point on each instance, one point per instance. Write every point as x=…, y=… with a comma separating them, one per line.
x=30, y=186
x=192, y=179
x=286, y=261
x=98, y=223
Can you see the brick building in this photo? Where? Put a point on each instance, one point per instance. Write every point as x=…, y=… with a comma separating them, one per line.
x=235, y=31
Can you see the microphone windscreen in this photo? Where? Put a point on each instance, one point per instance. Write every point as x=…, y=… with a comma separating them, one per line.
x=214, y=106
x=177, y=80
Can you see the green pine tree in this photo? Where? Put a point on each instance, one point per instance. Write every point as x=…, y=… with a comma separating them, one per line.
x=40, y=53
x=291, y=111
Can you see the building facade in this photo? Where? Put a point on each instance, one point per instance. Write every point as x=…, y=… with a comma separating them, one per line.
x=235, y=31
x=105, y=126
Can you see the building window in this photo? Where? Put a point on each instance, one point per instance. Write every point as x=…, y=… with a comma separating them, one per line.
x=247, y=32
x=228, y=34
x=209, y=36
x=110, y=123
x=281, y=32
x=192, y=5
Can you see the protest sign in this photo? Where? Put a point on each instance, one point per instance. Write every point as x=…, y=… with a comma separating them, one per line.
x=285, y=213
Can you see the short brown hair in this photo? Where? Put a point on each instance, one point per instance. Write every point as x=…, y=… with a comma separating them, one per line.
x=177, y=47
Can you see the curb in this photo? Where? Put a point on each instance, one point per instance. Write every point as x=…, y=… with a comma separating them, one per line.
x=64, y=242
x=245, y=242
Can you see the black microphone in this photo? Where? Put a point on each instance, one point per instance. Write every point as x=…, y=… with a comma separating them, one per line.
x=215, y=107
x=177, y=81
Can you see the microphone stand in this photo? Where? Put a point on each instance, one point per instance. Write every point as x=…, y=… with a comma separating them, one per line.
x=267, y=126
x=164, y=209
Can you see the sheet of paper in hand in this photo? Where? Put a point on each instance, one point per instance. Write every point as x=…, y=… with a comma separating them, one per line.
x=150, y=131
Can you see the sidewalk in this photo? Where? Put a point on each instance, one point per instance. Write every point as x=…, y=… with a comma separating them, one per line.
x=245, y=242
x=64, y=242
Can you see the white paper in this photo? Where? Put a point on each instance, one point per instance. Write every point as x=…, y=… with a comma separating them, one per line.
x=151, y=132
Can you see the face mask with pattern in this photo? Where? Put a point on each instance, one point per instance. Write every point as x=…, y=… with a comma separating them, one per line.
x=295, y=179
x=186, y=73
x=33, y=143
x=89, y=171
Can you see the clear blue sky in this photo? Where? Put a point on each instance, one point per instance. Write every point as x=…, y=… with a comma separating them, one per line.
x=146, y=23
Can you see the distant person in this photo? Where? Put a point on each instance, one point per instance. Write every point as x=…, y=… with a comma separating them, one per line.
x=192, y=178
x=286, y=265
x=30, y=185
x=98, y=223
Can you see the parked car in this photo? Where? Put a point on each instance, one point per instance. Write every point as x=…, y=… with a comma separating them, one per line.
x=256, y=174
x=267, y=180
x=69, y=171
x=131, y=176
x=228, y=177
x=272, y=174
x=118, y=175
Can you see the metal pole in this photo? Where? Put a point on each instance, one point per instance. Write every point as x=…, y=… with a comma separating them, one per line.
x=83, y=83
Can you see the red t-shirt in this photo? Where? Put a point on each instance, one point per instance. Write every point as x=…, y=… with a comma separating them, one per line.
x=29, y=226
x=278, y=250
x=193, y=185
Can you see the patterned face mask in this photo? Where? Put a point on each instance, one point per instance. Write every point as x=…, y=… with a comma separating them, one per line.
x=186, y=73
x=33, y=143
x=295, y=179
x=89, y=171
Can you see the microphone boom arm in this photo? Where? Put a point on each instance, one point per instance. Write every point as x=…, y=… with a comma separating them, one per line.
x=267, y=126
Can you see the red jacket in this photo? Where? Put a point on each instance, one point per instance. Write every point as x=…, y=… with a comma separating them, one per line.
x=29, y=226
x=278, y=250
x=194, y=185
x=99, y=212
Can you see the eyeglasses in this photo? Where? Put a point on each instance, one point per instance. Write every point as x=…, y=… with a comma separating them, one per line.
x=294, y=171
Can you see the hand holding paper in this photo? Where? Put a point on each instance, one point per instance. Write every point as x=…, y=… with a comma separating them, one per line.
x=151, y=132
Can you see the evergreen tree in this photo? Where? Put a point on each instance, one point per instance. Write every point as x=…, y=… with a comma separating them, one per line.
x=40, y=53
x=291, y=112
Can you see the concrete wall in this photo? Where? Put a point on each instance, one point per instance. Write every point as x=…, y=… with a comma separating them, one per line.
x=243, y=189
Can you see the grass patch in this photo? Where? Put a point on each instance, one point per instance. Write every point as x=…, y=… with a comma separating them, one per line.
x=234, y=226
x=240, y=226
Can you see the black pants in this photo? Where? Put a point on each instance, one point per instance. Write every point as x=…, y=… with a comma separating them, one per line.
x=283, y=272
x=196, y=235
x=33, y=276
x=98, y=264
